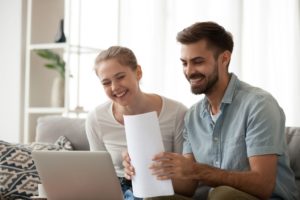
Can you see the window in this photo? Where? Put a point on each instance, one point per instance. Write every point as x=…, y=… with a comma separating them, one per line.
x=266, y=34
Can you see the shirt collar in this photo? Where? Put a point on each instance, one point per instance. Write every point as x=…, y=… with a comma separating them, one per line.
x=229, y=93
x=227, y=98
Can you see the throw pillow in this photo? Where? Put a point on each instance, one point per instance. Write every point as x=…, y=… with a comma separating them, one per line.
x=18, y=174
x=61, y=144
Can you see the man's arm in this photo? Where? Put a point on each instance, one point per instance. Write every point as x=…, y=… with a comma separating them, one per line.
x=258, y=181
x=181, y=186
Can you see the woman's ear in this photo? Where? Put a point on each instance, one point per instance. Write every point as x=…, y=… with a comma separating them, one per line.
x=139, y=72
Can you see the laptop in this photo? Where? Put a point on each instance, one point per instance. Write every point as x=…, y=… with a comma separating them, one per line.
x=77, y=175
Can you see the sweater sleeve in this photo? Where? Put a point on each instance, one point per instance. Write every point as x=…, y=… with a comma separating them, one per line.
x=179, y=126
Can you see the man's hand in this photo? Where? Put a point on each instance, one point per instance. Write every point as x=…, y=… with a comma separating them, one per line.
x=168, y=165
x=128, y=168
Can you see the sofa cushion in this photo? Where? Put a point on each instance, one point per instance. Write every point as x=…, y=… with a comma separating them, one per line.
x=18, y=174
x=49, y=128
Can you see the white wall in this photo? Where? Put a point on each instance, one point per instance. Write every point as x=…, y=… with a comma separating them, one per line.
x=11, y=59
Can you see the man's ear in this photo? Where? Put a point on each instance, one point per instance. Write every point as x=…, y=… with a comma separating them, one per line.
x=225, y=58
x=139, y=72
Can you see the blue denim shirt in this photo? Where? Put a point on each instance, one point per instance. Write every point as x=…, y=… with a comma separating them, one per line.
x=251, y=123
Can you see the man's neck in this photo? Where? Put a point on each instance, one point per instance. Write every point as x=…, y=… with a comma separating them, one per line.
x=216, y=95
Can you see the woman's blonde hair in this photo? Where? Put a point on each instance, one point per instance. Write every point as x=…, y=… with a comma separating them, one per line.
x=123, y=55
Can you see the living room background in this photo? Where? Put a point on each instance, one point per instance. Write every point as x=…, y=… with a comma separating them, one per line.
x=266, y=34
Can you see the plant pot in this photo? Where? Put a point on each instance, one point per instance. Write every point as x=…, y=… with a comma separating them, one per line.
x=58, y=92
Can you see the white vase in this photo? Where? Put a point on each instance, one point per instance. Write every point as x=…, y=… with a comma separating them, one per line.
x=58, y=92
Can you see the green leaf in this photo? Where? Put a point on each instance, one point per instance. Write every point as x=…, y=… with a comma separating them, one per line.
x=55, y=61
x=50, y=66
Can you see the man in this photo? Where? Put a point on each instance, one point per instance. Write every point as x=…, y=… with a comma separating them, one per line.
x=234, y=137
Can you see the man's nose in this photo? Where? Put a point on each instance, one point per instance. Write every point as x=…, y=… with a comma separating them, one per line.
x=189, y=69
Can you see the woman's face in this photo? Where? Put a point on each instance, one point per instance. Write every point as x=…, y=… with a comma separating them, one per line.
x=120, y=83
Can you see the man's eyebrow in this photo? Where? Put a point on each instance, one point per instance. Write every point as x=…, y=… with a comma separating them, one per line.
x=193, y=59
x=197, y=58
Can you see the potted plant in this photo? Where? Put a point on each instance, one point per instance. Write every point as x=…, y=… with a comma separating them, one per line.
x=58, y=64
x=55, y=61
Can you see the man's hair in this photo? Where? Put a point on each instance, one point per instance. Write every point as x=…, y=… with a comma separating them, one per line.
x=123, y=55
x=216, y=36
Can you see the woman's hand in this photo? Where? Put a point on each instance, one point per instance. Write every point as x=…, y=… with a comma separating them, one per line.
x=128, y=168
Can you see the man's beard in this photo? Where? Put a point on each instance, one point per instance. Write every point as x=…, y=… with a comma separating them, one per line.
x=211, y=81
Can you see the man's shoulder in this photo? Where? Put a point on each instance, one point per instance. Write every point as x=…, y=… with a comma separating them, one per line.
x=248, y=92
x=196, y=108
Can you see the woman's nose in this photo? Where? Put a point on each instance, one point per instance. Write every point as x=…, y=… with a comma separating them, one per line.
x=114, y=85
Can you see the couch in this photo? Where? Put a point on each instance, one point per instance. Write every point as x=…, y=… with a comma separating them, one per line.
x=49, y=128
x=19, y=178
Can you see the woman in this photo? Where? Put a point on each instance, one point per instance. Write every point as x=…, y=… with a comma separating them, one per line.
x=120, y=75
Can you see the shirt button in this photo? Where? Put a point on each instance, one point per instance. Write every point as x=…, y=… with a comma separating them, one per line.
x=217, y=163
x=216, y=139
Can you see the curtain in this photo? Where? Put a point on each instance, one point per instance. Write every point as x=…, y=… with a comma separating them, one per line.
x=270, y=51
x=266, y=53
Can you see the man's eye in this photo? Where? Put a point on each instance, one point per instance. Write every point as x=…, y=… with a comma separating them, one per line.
x=184, y=64
x=198, y=61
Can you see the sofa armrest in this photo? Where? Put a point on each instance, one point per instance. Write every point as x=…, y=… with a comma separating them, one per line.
x=50, y=128
x=293, y=141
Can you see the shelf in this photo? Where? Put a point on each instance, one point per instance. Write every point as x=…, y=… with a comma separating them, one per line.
x=38, y=110
x=48, y=46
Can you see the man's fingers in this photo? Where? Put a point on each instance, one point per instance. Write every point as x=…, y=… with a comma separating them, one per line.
x=163, y=174
x=165, y=155
x=159, y=164
x=163, y=177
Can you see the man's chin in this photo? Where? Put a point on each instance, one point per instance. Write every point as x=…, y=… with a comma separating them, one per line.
x=197, y=91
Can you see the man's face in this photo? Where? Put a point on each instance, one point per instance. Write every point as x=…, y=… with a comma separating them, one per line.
x=200, y=67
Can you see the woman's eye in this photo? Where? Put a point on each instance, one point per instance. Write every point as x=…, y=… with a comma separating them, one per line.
x=120, y=77
x=106, y=83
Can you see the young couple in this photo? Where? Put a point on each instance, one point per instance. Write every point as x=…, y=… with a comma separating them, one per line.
x=232, y=140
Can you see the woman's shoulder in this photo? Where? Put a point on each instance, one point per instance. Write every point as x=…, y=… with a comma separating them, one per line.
x=172, y=107
x=101, y=110
x=173, y=103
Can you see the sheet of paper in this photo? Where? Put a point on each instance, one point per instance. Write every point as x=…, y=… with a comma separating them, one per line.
x=144, y=141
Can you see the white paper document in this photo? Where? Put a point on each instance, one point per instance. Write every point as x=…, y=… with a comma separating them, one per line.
x=144, y=141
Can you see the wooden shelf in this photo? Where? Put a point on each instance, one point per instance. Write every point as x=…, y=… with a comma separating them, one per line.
x=40, y=110
x=43, y=18
x=48, y=46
